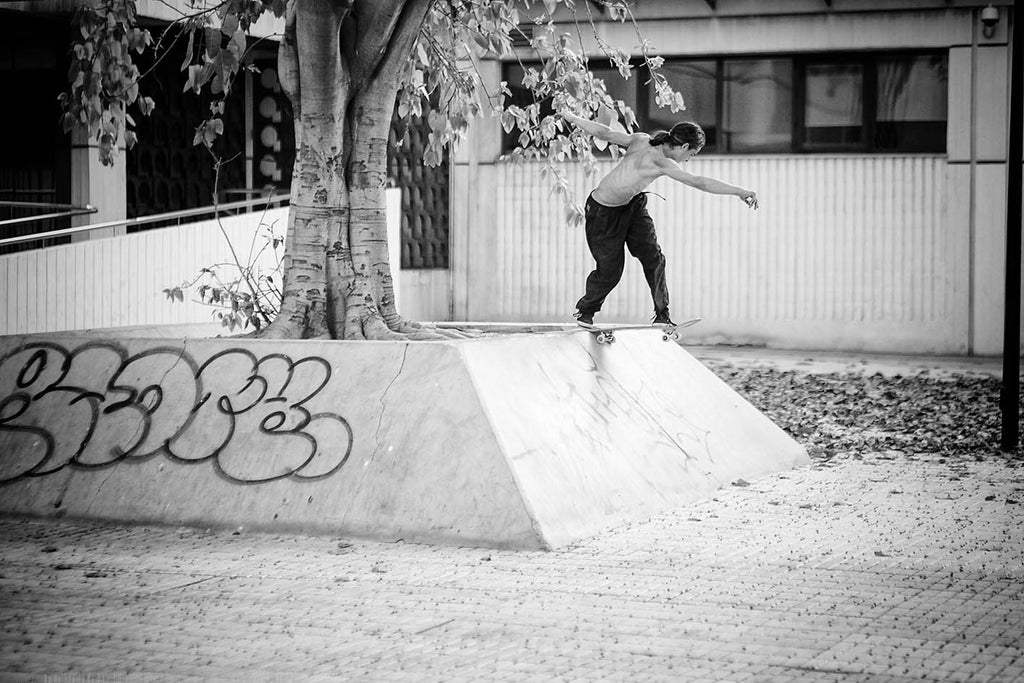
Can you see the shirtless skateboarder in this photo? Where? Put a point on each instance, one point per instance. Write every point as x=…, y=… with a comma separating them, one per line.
x=616, y=211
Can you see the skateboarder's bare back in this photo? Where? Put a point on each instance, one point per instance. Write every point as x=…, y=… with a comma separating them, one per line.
x=616, y=211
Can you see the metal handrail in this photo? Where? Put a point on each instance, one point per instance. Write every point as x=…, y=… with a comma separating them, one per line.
x=67, y=211
x=156, y=218
x=41, y=205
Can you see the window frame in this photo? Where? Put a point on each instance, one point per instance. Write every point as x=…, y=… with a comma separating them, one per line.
x=867, y=60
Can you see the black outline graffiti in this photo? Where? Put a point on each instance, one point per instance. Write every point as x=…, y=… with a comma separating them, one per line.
x=133, y=399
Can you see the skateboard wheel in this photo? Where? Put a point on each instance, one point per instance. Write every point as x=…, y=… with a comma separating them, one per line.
x=664, y=337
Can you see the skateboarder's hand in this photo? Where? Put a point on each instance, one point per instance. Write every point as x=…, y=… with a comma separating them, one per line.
x=750, y=199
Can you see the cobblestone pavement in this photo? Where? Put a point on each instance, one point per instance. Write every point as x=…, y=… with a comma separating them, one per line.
x=865, y=570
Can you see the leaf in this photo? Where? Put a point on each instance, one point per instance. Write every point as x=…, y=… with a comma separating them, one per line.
x=481, y=40
x=237, y=44
x=211, y=37
x=230, y=25
x=188, y=51
x=191, y=83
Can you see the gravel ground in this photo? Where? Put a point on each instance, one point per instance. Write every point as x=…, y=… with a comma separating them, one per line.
x=950, y=414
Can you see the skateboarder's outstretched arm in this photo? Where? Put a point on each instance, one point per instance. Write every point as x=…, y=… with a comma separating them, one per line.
x=710, y=185
x=603, y=132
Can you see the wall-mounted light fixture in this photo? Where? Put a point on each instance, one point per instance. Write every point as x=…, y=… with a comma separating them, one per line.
x=989, y=21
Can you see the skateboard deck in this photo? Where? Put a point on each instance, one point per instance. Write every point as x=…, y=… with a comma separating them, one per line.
x=606, y=333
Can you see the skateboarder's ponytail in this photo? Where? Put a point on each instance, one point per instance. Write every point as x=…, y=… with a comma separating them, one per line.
x=683, y=133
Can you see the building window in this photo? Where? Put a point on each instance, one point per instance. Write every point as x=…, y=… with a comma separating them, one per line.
x=698, y=80
x=855, y=103
x=757, y=106
x=833, y=107
x=910, y=113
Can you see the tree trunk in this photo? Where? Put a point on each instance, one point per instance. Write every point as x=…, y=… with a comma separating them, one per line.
x=340, y=65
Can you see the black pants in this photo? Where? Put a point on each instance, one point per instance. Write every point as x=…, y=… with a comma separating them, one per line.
x=609, y=228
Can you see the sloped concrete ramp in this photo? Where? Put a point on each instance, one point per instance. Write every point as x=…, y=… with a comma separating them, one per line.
x=523, y=441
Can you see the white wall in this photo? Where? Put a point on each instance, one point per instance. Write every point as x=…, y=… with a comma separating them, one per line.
x=119, y=281
x=851, y=252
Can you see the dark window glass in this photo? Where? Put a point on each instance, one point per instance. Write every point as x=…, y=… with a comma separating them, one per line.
x=910, y=112
x=757, y=105
x=833, y=103
x=833, y=106
x=698, y=82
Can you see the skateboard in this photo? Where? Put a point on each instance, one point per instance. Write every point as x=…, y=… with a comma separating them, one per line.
x=606, y=334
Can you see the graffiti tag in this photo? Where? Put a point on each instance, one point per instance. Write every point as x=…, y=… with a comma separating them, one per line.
x=96, y=405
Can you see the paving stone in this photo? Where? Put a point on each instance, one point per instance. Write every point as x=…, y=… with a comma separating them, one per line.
x=927, y=584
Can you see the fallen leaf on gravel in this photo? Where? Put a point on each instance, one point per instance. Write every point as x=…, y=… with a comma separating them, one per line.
x=853, y=415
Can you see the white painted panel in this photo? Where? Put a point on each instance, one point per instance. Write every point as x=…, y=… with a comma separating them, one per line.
x=56, y=263
x=5, y=288
x=958, y=121
x=992, y=105
x=795, y=33
x=29, y=269
x=989, y=292
x=425, y=294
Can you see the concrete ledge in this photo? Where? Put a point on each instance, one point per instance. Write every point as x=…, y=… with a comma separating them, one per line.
x=522, y=441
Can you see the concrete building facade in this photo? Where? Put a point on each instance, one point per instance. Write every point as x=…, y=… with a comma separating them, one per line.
x=875, y=133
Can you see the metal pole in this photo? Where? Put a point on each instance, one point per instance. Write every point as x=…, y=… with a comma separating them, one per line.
x=47, y=205
x=184, y=213
x=1011, y=327
x=46, y=217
